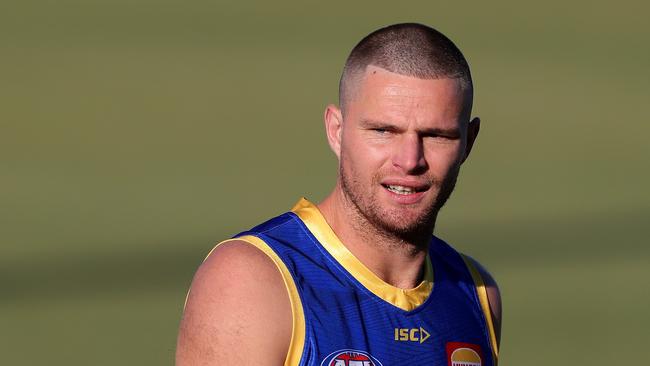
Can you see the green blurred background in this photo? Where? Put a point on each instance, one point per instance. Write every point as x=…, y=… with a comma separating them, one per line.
x=135, y=134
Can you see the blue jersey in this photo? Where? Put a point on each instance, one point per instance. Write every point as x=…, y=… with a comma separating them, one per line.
x=344, y=315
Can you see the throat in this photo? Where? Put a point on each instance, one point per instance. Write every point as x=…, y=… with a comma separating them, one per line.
x=396, y=262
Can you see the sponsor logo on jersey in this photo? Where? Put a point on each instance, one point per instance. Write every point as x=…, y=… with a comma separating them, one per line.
x=463, y=354
x=411, y=334
x=350, y=357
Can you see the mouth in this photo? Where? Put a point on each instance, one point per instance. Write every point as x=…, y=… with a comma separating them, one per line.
x=404, y=190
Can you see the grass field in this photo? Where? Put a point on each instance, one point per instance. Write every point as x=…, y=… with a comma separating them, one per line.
x=135, y=134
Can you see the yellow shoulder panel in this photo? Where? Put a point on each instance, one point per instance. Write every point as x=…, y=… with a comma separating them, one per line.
x=485, y=304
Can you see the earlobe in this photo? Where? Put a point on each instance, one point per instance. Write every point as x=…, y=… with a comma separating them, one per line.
x=333, y=128
x=472, y=132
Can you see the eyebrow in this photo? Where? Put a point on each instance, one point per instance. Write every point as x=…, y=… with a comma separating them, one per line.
x=370, y=124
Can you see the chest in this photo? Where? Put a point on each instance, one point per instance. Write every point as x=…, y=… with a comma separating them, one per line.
x=347, y=326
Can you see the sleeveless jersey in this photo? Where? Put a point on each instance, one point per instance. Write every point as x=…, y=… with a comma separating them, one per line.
x=344, y=315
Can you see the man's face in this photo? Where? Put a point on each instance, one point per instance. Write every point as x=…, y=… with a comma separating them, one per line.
x=402, y=141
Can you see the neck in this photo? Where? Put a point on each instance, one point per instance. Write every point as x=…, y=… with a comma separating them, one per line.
x=398, y=259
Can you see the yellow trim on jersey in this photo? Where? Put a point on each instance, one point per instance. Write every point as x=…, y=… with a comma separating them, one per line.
x=405, y=299
x=481, y=291
x=298, y=332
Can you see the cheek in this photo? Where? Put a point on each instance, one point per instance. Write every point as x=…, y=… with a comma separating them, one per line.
x=444, y=159
x=362, y=152
x=362, y=166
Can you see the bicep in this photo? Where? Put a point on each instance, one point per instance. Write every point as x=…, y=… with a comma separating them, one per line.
x=237, y=312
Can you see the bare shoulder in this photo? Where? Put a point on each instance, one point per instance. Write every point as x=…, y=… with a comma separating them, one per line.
x=237, y=306
x=493, y=294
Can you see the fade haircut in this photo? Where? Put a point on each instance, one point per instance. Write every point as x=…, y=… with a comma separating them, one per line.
x=410, y=49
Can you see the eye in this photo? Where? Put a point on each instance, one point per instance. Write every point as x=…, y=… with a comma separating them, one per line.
x=441, y=136
x=434, y=136
x=381, y=130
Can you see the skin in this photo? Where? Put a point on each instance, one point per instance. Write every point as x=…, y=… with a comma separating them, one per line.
x=235, y=315
x=406, y=131
x=396, y=130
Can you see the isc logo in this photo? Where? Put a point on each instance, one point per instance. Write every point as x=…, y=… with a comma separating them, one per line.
x=411, y=334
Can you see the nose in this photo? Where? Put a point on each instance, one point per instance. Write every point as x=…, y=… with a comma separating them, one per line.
x=409, y=154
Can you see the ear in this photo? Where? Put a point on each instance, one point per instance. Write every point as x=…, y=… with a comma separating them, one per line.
x=333, y=128
x=472, y=132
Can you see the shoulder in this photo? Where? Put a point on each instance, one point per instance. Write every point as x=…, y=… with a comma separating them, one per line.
x=237, y=296
x=493, y=295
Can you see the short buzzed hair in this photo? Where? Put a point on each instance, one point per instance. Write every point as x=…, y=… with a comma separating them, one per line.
x=410, y=49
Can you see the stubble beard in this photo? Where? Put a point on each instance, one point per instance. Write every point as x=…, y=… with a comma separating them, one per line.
x=391, y=223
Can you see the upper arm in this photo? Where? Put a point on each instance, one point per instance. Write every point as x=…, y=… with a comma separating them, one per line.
x=237, y=312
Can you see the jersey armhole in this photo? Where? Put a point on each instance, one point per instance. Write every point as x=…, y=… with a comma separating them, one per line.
x=481, y=291
x=296, y=345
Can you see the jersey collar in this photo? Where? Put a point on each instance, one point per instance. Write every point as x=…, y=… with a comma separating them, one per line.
x=405, y=299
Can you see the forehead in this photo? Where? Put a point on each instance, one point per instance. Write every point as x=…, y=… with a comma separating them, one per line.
x=382, y=94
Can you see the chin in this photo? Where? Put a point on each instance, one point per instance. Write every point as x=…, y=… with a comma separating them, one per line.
x=405, y=222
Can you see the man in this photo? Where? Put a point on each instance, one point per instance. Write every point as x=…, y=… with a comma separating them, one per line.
x=359, y=279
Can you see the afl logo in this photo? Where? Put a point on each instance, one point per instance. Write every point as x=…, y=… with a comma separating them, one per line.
x=350, y=357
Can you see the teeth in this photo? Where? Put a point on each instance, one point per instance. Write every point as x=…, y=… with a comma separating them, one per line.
x=400, y=189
